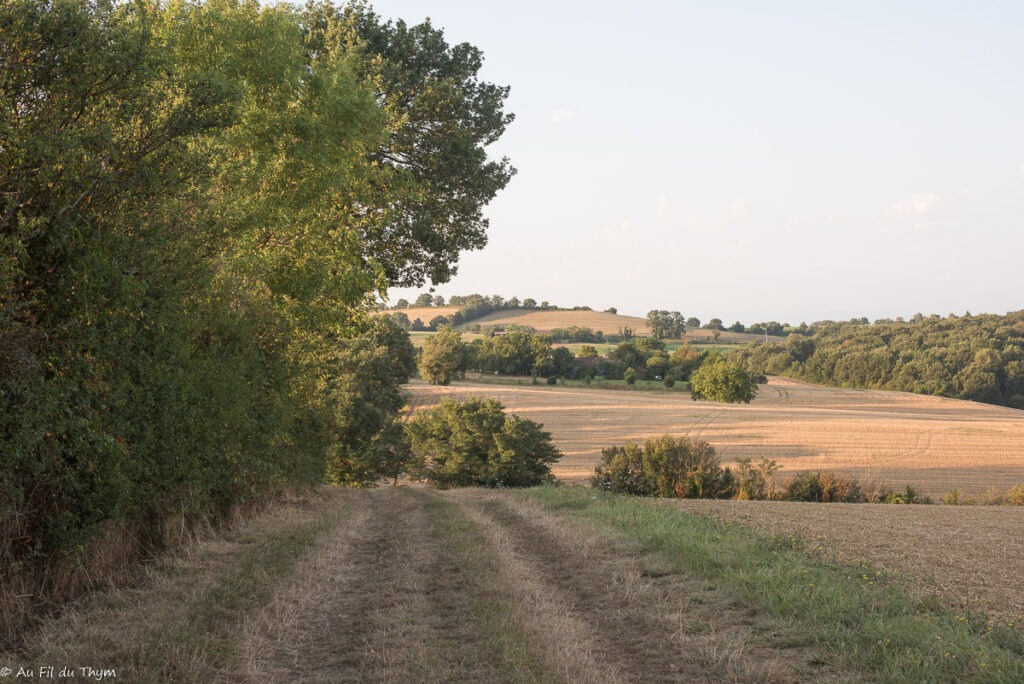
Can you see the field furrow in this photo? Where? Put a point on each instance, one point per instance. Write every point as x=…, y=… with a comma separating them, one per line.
x=933, y=443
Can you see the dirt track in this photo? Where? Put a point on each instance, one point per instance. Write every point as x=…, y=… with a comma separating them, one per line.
x=477, y=586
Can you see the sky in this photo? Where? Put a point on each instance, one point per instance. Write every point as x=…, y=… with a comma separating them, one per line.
x=751, y=161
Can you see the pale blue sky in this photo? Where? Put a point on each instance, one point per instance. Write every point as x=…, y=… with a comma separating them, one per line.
x=789, y=161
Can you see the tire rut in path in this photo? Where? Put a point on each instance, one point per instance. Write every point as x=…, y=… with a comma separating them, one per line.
x=384, y=601
x=643, y=623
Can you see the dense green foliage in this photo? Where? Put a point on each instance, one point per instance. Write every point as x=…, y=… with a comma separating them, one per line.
x=720, y=380
x=666, y=324
x=443, y=358
x=474, y=443
x=970, y=357
x=197, y=202
x=665, y=466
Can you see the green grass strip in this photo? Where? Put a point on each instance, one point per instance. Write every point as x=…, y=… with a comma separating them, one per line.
x=867, y=627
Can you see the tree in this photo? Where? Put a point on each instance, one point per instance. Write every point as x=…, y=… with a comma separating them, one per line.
x=443, y=358
x=197, y=200
x=433, y=167
x=402, y=320
x=402, y=304
x=630, y=376
x=424, y=300
x=737, y=327
x=365, y=398
x=666, y=324
x=721, y=380
x=529, y=303
x=611, y=310
x=475, y=443
x=692, y=323
x=437, y=300
x=715, y=324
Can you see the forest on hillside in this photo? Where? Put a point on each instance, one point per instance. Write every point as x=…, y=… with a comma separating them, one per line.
x=980, y=358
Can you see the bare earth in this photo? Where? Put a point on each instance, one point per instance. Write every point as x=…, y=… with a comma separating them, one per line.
x=968, y=555
x=932, y=443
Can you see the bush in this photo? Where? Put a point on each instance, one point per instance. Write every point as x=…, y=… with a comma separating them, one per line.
x=629, y=376
x=824, y=487
x=552, y=380
x=756, y=482
x=474, y=443
x=909, y=495
x=952, y=498
x=720, y=380
x=670, y=381
x=666, y=467
x=1014, y=496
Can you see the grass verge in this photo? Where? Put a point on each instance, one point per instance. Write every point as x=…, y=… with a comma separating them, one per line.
x=869, y=628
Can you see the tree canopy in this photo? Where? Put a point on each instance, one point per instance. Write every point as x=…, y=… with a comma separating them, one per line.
x=198, y=201
x=720, y=380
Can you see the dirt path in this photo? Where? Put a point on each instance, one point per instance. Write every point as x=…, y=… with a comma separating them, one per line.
x=477, y=586
x=404, y=584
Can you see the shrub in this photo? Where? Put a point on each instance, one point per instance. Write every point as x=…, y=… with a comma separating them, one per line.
x=756, y=481
x=552, y=380
x=824, y=487
x=629, y=376
x=952, y=498
x=1014, y=496
x=670, y=381
x=476, y=443
x=909, y=495
x=666, y=467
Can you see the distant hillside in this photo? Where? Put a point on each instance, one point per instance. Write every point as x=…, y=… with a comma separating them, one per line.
x=425, y=313
x=608, y=323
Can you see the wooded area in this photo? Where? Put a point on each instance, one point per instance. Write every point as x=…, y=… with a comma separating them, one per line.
x=198, y=202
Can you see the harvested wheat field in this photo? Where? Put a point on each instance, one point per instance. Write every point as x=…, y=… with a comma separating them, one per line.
x=933, y=443
x=964, y=554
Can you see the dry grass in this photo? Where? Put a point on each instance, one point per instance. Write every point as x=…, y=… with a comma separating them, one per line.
x=933, y=443
x=968, y=555
x=178, y=621
x=609, y=324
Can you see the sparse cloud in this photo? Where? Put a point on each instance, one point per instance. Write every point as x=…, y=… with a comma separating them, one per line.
x=918, y=204
x=616, y=233
x=738, y=208
x=563, y=115
x=663, y=207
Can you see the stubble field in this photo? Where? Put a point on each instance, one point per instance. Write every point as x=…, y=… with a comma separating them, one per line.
x=932, y=443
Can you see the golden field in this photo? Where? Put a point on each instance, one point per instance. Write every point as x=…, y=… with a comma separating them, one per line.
x=933, y=443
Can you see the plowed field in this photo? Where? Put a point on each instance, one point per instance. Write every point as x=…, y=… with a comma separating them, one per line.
x=932, y=443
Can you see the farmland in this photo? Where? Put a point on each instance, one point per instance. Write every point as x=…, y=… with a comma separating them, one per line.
x=607, y=323
x=933, y=443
